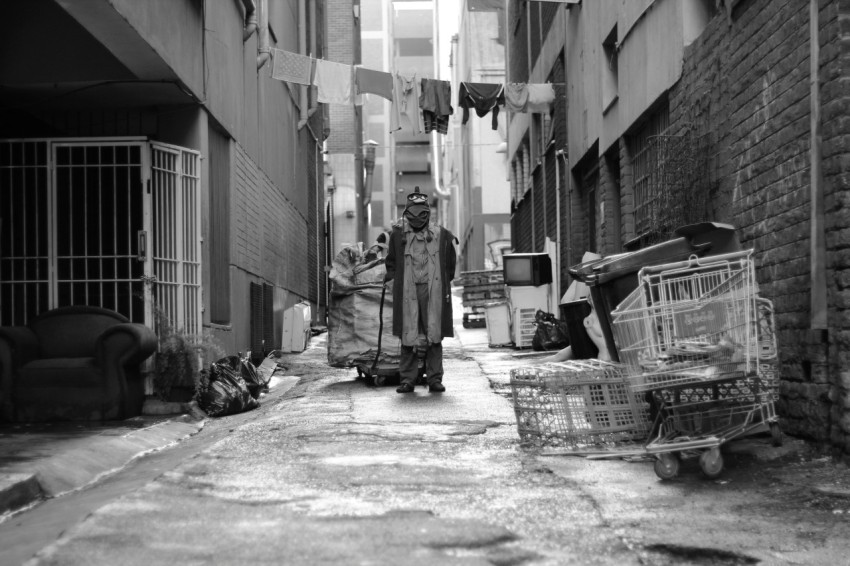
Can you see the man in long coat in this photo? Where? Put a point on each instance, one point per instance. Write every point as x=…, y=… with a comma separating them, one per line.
x=421, y=264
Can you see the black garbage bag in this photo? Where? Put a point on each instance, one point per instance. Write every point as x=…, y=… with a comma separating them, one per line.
x=249, y=374
x=551, y=333
x=222, y=391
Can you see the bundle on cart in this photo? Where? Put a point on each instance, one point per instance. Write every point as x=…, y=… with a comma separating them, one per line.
x=354, y=309
x=577, y=403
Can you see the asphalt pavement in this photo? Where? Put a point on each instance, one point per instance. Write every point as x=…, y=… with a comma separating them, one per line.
x=432, y=477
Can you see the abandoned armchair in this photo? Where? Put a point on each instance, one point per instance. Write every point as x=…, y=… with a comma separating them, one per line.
x=76, y=363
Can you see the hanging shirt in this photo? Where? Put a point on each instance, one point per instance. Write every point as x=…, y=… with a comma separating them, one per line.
x=374, y=82
x=483, y=97
x=435, y=102
x=406, y=104
x=334, y=82
x=292, y=67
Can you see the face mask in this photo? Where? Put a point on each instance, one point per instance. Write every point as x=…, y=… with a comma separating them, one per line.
x=417, y=216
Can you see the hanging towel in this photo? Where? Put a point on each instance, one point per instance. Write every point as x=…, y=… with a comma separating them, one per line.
x=291, y=67
x=435, y=102
x=375, y=82
x=334, y=81
x=535, y=97
x=406, y=104
x=516, y=97
x=483, y=97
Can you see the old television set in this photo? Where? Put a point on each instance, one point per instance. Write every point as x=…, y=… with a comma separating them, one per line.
x=528, y=269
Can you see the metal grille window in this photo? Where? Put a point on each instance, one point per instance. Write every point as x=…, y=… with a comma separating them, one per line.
x=90, y=222
x=644, y=160
x=25, y=247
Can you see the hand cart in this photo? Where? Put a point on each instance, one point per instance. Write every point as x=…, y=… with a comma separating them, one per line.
x=378, y=370
x=690, y=334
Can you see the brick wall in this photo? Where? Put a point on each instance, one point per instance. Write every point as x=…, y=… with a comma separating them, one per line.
x=746, y=81
x=267, y=231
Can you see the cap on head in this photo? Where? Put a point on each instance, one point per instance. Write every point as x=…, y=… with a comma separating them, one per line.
x=417, y=198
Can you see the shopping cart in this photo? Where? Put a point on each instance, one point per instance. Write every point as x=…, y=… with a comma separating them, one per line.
x=578, y=403
x=693, y=338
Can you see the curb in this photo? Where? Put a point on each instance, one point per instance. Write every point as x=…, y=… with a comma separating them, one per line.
x=81, y=462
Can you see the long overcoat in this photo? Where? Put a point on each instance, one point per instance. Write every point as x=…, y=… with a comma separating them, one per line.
x=395, y=273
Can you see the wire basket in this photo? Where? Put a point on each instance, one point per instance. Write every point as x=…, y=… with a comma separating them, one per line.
x=725, y=409
x=576, y=403
x=689, y=322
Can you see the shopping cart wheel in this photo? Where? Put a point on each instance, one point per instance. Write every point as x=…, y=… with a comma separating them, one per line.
x=711, y=463
x=775, y=434
x=667, y=466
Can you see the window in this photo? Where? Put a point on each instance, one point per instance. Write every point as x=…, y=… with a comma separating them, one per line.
x=644, y=161
x=609, y=70
x=219, y=236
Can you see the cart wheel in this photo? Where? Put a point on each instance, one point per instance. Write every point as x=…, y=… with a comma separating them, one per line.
x=379, y=380
x=667, y=466
x=775, y=434
x=711, y=463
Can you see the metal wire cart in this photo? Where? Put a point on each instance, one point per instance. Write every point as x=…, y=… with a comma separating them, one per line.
x=698, y=342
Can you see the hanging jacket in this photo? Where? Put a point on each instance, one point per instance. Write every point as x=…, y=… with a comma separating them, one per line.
x=483, y=97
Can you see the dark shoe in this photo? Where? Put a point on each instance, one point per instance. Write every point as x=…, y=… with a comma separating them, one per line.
x=436, y=387
x=404, y=388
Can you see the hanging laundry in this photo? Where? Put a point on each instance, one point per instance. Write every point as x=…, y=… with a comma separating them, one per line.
x=406, y=104
x=374, y=82
x=435, y=102
x=334, y=82
x=483, y=97
x=528, y=98
x=291, y=67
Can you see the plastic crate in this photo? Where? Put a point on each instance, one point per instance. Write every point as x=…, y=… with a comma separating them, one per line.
x=576, y=403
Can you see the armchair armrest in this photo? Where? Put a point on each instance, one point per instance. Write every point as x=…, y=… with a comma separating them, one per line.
x=18, y=345
x=126, y=343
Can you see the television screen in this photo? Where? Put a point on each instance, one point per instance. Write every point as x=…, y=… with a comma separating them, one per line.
x=517, y=270
x=532, y=269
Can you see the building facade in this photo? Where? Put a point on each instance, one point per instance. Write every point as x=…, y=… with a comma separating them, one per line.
x=398, y=37
x=474, y=168
x=149, y=164
x=743, y=100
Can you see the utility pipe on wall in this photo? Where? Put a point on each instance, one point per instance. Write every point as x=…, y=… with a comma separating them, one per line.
x=558, y=154
x=250, y=19
x=819, y=312
x=263, y=48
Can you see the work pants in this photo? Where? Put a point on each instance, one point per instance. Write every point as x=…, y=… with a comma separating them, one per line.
x=409, y=363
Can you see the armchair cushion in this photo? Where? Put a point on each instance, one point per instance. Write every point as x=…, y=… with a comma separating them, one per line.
x=60, y=372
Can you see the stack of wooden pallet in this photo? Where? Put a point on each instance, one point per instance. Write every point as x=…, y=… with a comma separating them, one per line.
x=480, y=288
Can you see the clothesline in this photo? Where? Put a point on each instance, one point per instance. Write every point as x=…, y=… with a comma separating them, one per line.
x=425, y=104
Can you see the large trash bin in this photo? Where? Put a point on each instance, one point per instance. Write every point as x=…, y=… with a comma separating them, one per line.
x=612, y=278
x=573, y=314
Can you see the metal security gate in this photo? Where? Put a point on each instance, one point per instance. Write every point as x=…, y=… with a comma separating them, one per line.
x=175, y=214
x=98, y=203
x=103, y=222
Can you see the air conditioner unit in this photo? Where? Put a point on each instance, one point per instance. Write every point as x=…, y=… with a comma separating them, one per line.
x=296, y=328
